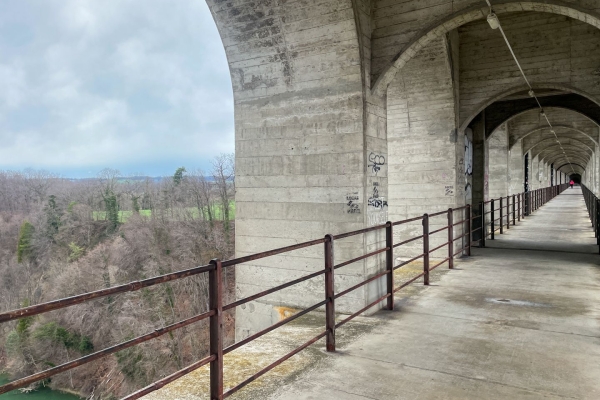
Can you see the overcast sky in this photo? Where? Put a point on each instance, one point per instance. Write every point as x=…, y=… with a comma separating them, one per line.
x=137, y=85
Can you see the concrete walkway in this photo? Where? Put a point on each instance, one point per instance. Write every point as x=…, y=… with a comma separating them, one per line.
x=518, y=321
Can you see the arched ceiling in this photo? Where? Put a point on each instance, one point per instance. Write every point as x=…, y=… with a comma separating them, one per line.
x=384, y=72
x=499, y=112
x=565, y=135
x=567, y=123
x=555, y=149
x=549, y=156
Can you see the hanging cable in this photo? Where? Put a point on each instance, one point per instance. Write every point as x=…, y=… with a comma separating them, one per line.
x=494, y=23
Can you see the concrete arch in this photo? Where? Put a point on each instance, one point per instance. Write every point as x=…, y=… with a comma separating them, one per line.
x=574, y=118
x=558, y=129
x=573, y=158
x=550, y=155
x=474, y=13
x=556, y=148
x=520, y=88
x=568, y=168
x=552, y=141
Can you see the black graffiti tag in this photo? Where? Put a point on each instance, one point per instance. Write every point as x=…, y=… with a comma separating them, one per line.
x=375, y=162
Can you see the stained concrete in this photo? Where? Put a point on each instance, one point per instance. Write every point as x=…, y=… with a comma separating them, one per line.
x=519, y=320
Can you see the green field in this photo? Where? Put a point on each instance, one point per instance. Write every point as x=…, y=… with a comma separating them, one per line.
x=217, y=212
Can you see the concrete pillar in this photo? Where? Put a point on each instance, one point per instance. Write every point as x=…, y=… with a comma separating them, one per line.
x=534, y=179
x=480, y=176
x=515, y=169
x=498, y=162
x=426, y=155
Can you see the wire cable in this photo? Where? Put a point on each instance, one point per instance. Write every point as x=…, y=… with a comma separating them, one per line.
x=531, y=91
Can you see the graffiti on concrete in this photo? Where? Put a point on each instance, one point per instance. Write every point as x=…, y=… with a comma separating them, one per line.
x=376, y=161
x=352, y=203
x=375, y=200
x=448, y=190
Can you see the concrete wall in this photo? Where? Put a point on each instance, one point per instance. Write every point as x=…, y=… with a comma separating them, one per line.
x=423, y=149
x=498, y=163
x=515, y=169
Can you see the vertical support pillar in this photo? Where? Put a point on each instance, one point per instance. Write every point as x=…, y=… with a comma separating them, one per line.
x=425, y=249
x=519, y=207
x=483, y=231
x=389, y=263
x=450, y=239
x=469, y=231
x=215, y=299
x=492, y=223
x=329, y=294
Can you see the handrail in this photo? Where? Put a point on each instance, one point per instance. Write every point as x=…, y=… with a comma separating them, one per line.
x=522, y=204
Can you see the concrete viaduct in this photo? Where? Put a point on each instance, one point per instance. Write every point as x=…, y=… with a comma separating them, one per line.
x=350, y=113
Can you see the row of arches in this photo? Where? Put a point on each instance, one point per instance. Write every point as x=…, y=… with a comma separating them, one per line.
x=354, y=112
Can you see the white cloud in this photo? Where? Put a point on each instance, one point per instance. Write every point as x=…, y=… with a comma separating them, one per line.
x=114, y=83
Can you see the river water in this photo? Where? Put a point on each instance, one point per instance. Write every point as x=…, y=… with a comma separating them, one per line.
x=42, y=394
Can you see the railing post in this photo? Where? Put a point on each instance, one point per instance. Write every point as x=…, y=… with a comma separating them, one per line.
x=507, y=212
x=329, y=294
x=597, y=220
x=215, y=298
x=483, y=230
x=450, y=239
x=501, y=217
x=469, y=231
x=425, y=249
x=492, y=223
x=389, y=263
x=514, y=210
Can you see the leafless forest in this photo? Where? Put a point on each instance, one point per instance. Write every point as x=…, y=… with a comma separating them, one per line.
x=61, y=237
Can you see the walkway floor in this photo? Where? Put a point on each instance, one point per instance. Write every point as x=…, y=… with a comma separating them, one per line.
x=518, y=321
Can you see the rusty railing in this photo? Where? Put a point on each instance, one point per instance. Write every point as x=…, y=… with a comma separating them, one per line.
x=456, y=219
x=592, y=204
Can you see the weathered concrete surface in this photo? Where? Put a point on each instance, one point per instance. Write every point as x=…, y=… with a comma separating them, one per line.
x=506, y=324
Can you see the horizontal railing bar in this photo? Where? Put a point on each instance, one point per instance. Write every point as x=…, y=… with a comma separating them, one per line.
x=405, y=221
x=272, y=327
x=81, y=298
x=408, y=262
x=358, y=232
x=351, y=317
x=476, y=229
x=273, y=365
x=438, y=230
x=460, y=237
x=459, y=208
x=168, y=379
x=19, y=383
x=438, y=213
x=459, y=222
x=460, y=251
x=439, y=247
x=409, y=282
x=408, y=241
x=438, y=264
x=272, y=290
x=371, y=279
x=373, y=253
x=270, y=253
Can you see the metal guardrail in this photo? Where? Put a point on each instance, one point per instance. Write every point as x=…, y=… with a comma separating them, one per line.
x=593, y=206
x=522, y=205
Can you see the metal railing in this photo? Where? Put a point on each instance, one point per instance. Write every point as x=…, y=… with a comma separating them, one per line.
x=454, y=220
x=514, y=208
x=593, y=206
